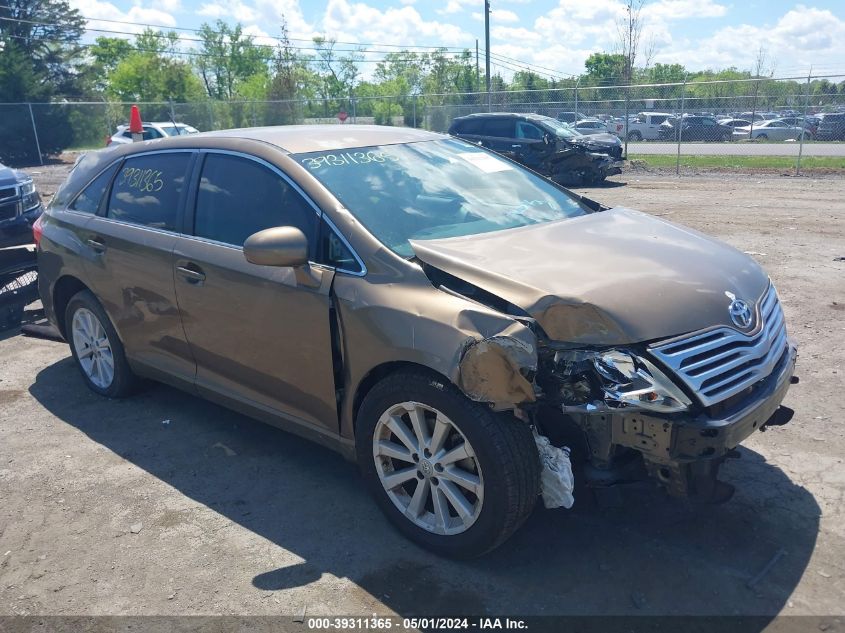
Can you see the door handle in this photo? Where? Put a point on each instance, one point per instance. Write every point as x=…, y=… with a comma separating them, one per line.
x=97, y=245
x=191, y=275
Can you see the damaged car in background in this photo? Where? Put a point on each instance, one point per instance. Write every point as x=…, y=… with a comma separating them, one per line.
x=462, y=327
x=548, y=146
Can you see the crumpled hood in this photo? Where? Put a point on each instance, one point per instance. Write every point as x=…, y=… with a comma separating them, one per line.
x=609, y=278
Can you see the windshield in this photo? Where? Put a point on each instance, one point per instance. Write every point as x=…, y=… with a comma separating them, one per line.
x=435, y=189
x=561, y=129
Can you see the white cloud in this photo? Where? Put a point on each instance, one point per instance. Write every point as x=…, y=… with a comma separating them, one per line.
x=359, y=21
x=457, y=6
x=802, y=37
x=238, y=11
x=668, y=10
x=96, y=11
x=503, y=15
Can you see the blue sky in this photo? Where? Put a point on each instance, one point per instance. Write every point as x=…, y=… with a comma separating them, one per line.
x=552, y=36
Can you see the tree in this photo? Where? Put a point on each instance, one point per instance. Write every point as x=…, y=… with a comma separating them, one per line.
x=227, y=59
x=292, y=78
x=48, y=33
x=40, y=40
x=629, y=29
x=151, y=73
x=604, y=68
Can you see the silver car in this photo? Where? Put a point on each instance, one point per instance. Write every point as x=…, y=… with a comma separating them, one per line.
x=774, y=130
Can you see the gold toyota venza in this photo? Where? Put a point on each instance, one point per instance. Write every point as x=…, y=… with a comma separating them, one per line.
x=422, y=305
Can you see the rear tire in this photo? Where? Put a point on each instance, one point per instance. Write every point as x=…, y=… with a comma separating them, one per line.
x=409, y=426
x=635, y=136
x=96, y=347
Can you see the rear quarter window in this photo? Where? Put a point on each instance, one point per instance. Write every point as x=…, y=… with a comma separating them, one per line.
x=468, y=126
x=89, y=199
x=148, y=189
x=500, y=128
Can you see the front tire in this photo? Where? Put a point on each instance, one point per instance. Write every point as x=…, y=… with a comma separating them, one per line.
x=450, y=474
x=96, y=347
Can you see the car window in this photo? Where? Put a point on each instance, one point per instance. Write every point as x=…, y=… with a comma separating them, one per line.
x=434, y=189
x=529, y=131
x=499, y=127
x=334, y=252
x=657, y=120
x=127, y=134
x=88, y=201
x=469, y=126
x=147, y=189
x=238, y=197
x=708, y=122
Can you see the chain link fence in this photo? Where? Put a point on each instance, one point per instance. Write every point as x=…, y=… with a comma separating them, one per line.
x=664, y=124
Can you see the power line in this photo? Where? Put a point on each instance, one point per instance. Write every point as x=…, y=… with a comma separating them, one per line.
x=270, y=37
x=189, y=53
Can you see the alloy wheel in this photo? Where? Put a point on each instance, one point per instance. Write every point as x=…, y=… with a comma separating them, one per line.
x=93, y=349
x=428, y=468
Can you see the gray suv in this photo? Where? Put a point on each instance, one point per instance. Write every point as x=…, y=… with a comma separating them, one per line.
x=427, y=307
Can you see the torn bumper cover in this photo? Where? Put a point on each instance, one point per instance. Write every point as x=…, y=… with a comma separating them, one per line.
x=683, y=451
x=500, y=369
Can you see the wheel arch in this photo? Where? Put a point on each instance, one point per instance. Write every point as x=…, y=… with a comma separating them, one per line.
x=63, y=290
x=382, y=371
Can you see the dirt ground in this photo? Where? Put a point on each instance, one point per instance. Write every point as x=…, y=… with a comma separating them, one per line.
x=166, y=504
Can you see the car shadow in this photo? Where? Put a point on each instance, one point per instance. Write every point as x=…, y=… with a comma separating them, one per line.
x=635, y=552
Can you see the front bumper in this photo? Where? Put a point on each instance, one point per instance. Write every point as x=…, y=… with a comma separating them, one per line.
x=18, y=230
x=683, y=452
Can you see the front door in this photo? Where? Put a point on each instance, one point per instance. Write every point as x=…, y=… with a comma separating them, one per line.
x=260, y=335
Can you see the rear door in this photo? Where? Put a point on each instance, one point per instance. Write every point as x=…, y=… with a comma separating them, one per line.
x=261, y=335
x=129, y=265
x=500, y=135
x=652, y=128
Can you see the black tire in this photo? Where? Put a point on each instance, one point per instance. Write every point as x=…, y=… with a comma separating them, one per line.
x=635, y=136
x=504, y=447
x=762, y=137
x=124, y=381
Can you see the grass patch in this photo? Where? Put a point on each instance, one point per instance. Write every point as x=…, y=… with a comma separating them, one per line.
x=740, y=162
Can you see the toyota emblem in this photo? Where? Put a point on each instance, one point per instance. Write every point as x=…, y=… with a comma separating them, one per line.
x=740, y=311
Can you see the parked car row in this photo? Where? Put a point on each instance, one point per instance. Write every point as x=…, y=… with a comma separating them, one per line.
x=705, y=126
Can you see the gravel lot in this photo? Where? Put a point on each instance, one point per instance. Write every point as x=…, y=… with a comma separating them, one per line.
x=165, y=504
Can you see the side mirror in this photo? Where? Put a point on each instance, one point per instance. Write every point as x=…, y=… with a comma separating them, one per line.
x=279, y=246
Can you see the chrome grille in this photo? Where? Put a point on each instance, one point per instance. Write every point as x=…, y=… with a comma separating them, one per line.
x=720, y=363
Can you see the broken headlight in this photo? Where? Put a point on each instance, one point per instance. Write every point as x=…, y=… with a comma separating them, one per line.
x=632, y=380
x=615, y=378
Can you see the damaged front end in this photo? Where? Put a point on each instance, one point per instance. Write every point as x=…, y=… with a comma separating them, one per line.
x=638, y=423
x=626, y=419
x=576, y=165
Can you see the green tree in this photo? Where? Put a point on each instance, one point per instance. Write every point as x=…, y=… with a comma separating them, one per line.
x=604, y=68
x=227, y=59
x=151, y=72
x=48, y=33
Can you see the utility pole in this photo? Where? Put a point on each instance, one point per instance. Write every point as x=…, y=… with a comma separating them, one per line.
x=487, y=51
x=477, y=69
